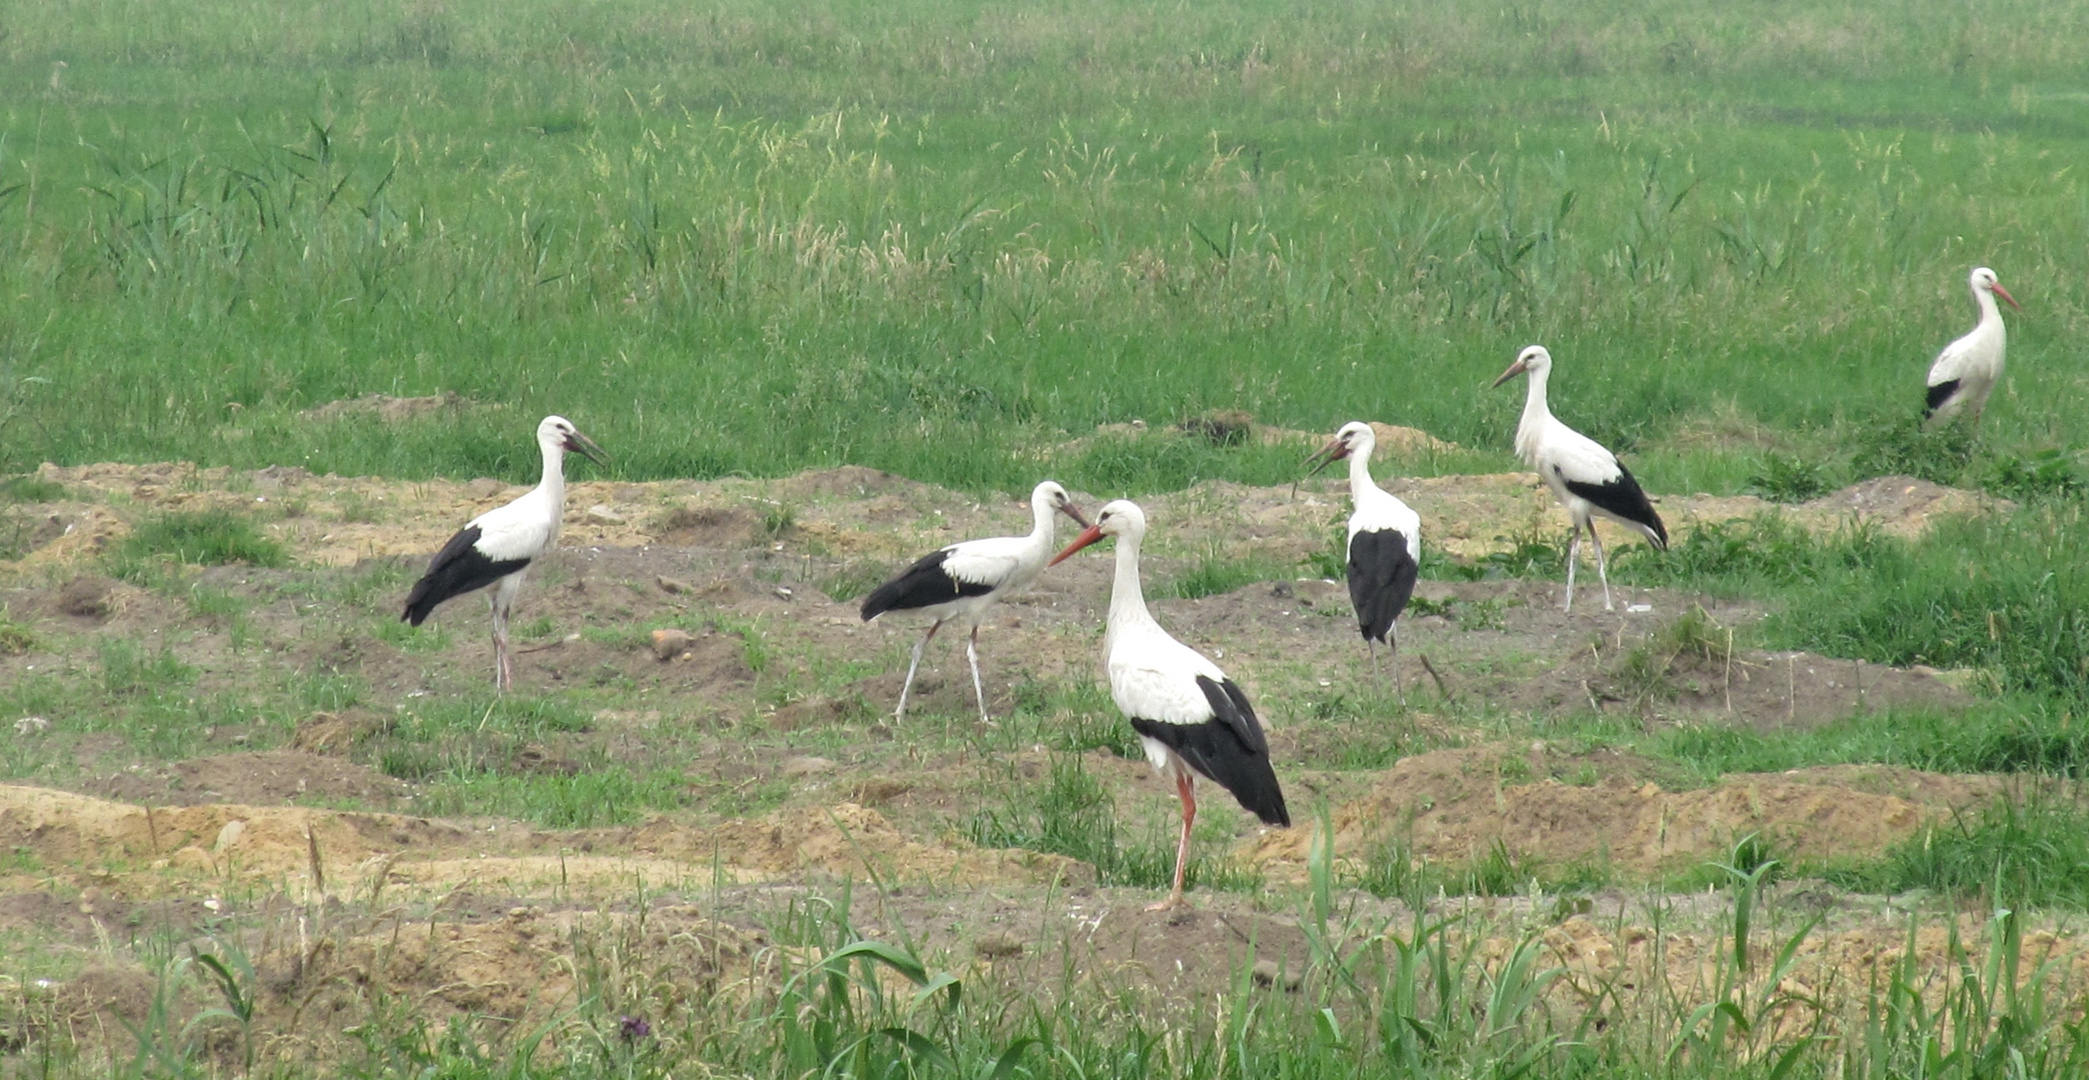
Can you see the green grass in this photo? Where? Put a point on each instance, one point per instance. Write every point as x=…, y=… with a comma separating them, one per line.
x=1071, y=813
x=2031, y=853
x=203, y=538
x=933, y=237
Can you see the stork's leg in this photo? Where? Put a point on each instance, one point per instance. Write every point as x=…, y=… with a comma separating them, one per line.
x=1185, y=786
x=1392, y=645
x=1602, y=568
x=901, y=712
x=503, y=667
x=978, y=689
x=1573, y=556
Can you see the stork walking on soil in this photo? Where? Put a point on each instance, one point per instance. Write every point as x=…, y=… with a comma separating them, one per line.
x=1588, y=480
x=1970, y=367
x=1385, y=545
x=1192, y=719
x=498, y=545
x=961, y=582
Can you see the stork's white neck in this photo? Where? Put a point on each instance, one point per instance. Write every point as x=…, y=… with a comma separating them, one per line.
x=1041, y=523
x=1536, y=414
x=1990, y=312
x=1361, y=488
x=551, y=487
x=1127, y=599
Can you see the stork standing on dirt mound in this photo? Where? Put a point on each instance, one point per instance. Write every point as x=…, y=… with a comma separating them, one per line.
x=498, y=545
x=1968, y=368
x=1587, y=480
x=961, y=582
x=1385, y=544
x=1191, y=718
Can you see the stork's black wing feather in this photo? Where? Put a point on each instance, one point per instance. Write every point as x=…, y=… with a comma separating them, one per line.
x=457, y=569
x=924, y=584
x=1229, y=749
x=1622, y=498
x=1938, y=395
x=1381, y=579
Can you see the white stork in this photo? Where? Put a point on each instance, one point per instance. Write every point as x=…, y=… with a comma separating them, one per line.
x=1191, y=718
x=1968, y=368
x=1586, y=479
x=498, y=545
x=1385, y=544
x=961, y=582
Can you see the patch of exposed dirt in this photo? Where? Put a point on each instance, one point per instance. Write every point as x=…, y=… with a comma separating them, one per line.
x=389, y=409
x=848, y=840
x=1454, y=805
x=271, y=778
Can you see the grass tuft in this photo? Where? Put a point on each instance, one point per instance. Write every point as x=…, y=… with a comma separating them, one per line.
x=2030, y=853
x=201, y=538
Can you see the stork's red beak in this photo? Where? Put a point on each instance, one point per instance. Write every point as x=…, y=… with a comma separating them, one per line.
x=1998, y=290
x=1088, y=536
x=1515, y=369
x=581, y=444
x=1334, y=451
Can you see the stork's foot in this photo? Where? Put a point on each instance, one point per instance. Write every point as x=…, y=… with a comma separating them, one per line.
x=1173, y=902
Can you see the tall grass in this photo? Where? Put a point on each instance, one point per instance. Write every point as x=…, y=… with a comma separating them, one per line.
x=930, y=237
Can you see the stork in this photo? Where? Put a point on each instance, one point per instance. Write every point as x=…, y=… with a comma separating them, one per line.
x=1385, y=544
x=498, y=545
x=961, y=582
x=1192, y=719
x=1968, y=368
x=1588, y=480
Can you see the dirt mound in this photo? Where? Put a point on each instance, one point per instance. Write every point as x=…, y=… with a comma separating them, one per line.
x=1455, y=805
x=1900, y=505
x=520, y=967
x=1764, y=690
x=61, y=828
x=253, y=779
x=387, y=408
x=850, y=840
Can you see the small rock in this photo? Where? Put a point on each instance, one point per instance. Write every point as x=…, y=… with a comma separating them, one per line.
x=1267, y=973
x=806, y=766
x=230, y=834
x=32, y=725
x=1281, y=590
x=669, y=643
x=603, y=515
x=673, y=586
x=997, y=946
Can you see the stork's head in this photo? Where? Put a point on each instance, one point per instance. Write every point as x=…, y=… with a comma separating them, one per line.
x=1120, y=518
x=1050, y=495
x=558, y=433
x=1533, y=360
x=1984, y=278
x=1356, y=439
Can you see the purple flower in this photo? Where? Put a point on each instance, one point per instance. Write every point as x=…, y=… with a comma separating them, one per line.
x=633, y=1028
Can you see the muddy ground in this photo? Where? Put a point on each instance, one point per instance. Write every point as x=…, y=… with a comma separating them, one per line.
x=289, y=787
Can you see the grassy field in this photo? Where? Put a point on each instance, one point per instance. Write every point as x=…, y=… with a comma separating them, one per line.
x=947, y=240
x=936, y=238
